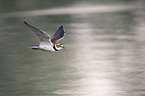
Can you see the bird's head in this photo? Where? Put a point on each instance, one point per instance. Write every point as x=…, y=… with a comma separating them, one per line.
x=60, y=46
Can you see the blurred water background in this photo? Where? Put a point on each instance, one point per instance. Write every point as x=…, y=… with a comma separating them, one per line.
x=104, y=55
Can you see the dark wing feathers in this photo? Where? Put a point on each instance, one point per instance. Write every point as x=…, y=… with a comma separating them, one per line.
x=60, y=33
x=42, y=36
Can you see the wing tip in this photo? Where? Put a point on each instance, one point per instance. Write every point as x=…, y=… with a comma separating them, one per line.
x=26, y=23
x=61, y=27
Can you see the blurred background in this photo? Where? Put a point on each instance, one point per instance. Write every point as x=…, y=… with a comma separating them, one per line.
x=104, y=55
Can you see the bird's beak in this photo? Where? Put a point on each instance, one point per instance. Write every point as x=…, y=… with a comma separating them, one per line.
x=63, y=47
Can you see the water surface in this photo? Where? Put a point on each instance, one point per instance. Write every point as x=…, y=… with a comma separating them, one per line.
x=104, y=53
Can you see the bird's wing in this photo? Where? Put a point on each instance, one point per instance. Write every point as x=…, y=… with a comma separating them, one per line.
x=42, y=36
x=60, y=33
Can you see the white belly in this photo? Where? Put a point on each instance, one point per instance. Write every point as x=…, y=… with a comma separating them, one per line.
x=46, y=47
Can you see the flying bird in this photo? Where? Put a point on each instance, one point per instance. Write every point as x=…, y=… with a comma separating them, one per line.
x=47, y=43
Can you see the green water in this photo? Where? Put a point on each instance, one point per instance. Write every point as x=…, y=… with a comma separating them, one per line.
x=104, y=55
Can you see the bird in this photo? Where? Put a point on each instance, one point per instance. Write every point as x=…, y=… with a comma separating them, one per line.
x=47, y=43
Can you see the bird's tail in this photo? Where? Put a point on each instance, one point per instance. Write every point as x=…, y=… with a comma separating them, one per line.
x=34, y=47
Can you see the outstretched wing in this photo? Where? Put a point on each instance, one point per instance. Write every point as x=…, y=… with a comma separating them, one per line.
x=42, y=36
x=60, y=33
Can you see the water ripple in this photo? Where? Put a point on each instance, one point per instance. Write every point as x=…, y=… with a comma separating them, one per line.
x=72, y=10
